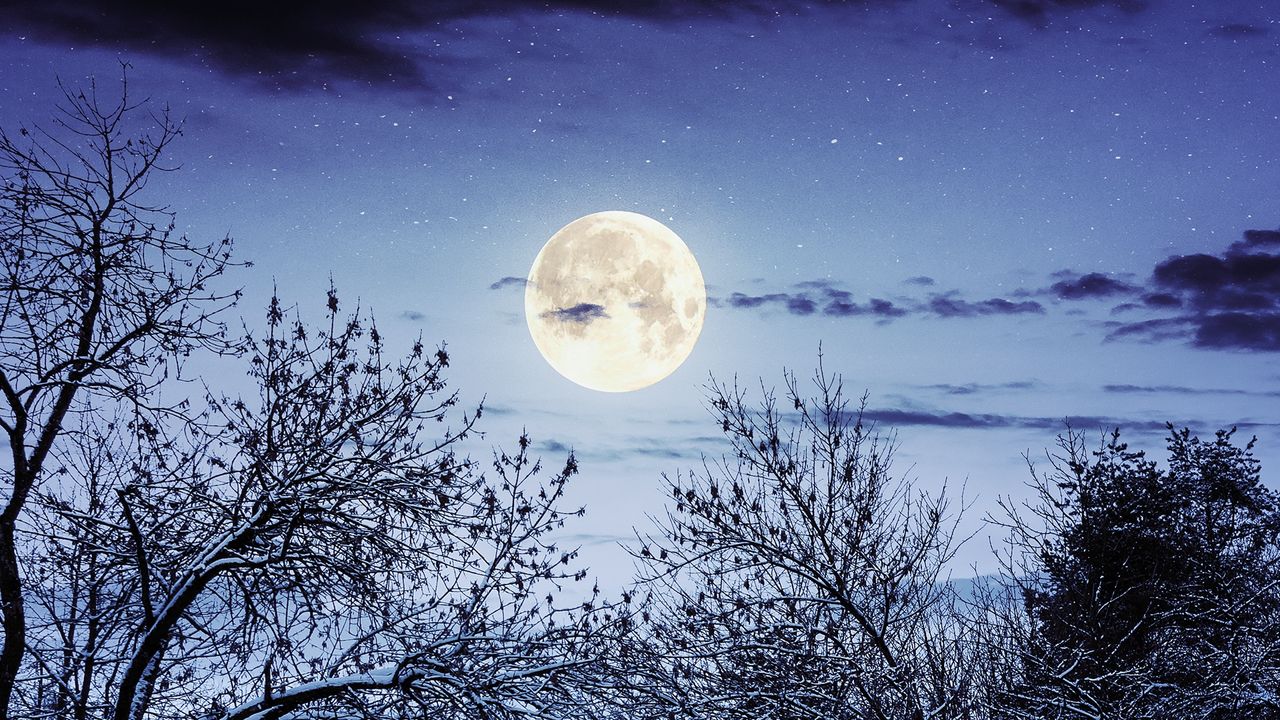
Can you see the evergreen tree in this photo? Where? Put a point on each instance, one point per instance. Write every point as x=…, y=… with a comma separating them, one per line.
x=1148, y=592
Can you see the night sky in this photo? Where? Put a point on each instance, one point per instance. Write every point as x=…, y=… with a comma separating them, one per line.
x=994, y=216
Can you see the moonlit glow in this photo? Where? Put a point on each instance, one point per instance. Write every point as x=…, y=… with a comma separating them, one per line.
x=615, y=301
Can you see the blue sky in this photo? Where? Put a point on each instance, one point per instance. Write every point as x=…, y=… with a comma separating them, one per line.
x=993, y=215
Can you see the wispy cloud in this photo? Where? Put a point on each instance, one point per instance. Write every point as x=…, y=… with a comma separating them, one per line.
x=588, y=539
x=554, y=446
x=1183, y=390
x=976, y=388
x=1089, y=286
x=993, y=421
x=826, y=298
x=951, y=306
x=510, y=281
x=582, y=313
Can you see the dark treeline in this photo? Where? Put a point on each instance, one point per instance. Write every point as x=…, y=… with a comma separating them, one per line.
x=320, y=548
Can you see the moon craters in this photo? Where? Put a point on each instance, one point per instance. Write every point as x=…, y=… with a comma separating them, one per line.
x=615, y=301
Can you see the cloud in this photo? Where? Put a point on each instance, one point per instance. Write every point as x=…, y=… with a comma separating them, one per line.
x=1039, y=12
x=311, y=43
x=581, y=313
x=1236, y=330
x=1241, y=279
x=800, y=305
x=509, y=281
x=286, y=40
x=1092, y=285
x=831, y=302
x=554, y=446
x=1183, y=390
x=1161, y=300
x=825, y=298
x=669, y=447
x=1254, y=238
x=974, y=388
x=1224, y=301
x=978, y=421
x=1150, y=331
x=413, y=315
x=308, y=43
x=950, y=306
x=1228, y=301
x=988, y=421
x=742, y=300
x=587, y=539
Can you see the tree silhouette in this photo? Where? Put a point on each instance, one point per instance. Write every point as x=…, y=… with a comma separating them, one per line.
x=318, y=548
x=1146, y=592
x=98, y=298
x=799, y=578
x=323, y=547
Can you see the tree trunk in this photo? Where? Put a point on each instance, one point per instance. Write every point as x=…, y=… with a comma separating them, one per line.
x=15, y=636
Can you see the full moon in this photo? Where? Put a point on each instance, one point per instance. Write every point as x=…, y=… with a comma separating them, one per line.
x=615, y=301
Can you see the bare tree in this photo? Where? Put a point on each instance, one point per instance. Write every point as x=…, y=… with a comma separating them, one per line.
x=799, y=578
x=320, y=549
x=98, y=297
x=307, y=552
x=78, y=578
x=320, y=552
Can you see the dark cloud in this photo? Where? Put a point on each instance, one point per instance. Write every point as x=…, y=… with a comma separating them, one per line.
x=1210, y=331
x=821, y=296
x=1233, y=31
x=949, y=306
x=287, y=41
x=1040, y=12
x=581, y=313
x=884, y=309
x=800, y=305
x=922, y=280
x=413, y=315
x=1092, y=285
x=1224, y=301
x=1253, y=238
x=839, y=303
x=509, y=281
x=1242, y=278
x=830, y=301
x=1229, y=301
x=742, y=300
x=875, y=307
x=297, y=43
x=1238, y=331
x=1161, y=300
